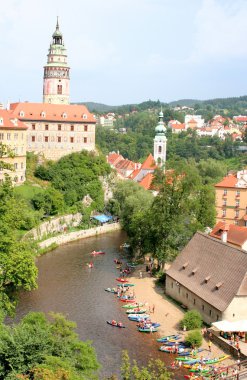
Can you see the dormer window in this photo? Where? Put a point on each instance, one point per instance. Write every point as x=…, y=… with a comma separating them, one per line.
x=42, y=114
x=218, y=285
x=207, y=279
x=64, y=115
x=1, y=121
x=22, y=113
x=194, y=270
x=84, y=116
x=185, y=265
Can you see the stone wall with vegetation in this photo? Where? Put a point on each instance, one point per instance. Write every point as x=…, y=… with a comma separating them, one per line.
x=55, y=225
x=81, y=234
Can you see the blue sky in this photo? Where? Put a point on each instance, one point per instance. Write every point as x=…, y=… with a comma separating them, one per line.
x=127, y=51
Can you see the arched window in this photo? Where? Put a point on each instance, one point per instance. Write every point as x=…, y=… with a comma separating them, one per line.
x=59, y=89
x=159, y=149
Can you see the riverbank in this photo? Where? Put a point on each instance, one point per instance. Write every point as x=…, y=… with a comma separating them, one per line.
x=80, y=234
x=167, y=313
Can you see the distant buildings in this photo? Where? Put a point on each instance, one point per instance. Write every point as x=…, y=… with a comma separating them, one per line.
x=231, y=234
x=13, y=135
x=231, y=199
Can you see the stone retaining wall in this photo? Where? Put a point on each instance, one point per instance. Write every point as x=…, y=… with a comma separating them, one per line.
x=71, y=236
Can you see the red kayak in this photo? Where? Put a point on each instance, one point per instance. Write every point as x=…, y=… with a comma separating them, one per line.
x=97, y=253
x=127, y=299
x=121, y=279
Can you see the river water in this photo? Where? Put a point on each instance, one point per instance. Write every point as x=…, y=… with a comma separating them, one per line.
x=66, y=285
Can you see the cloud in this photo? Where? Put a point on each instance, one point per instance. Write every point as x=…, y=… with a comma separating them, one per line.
x=221, y=30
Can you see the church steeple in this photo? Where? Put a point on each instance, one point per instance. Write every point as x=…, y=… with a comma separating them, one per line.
x=160, y=141
x=56, y=71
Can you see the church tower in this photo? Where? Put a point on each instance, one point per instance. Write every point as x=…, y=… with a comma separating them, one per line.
x=160, y=142
x=56, y=72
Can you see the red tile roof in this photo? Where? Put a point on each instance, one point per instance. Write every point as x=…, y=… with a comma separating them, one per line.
x=236, y=235
x=228, y=181
x=9, y=121
x=149, y=163
x=146, y=181
x=52, y=112
x=178, y=126
x=125, y=165
x=113, y=158
x=134, y=173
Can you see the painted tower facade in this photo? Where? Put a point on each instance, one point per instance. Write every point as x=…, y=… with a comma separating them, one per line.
x=56, y=72
x=160, y=142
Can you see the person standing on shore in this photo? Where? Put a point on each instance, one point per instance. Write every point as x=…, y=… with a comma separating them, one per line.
x=209, y=345
x=153, y=308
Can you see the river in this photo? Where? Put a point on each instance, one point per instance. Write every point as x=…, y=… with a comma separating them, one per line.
x=66, y=285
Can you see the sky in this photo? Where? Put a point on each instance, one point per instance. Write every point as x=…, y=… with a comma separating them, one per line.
x=127, y=51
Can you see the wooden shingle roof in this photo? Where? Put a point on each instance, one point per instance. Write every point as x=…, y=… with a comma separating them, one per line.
x=216, y=263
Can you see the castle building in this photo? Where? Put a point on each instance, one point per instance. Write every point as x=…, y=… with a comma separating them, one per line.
x=56, y=72
x=13, y=137
x=56, y=128
x=160, y=141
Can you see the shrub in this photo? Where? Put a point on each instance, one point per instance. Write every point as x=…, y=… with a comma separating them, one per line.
x=192, y=320
x=194, y=338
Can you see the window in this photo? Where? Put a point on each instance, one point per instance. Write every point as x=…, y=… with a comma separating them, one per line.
x=217, y=317
x=194, y=302
x=223, y=213
x=15, y=165
x=72, y=139
x=85, y=128
x=236, y=222
x=159, y=149
x=237, y=203
x=172, y=284
x=203, y=307
x=22, y=165
x=59, y=89
x=46, y=139
x=47, y=127
x=84, y=116
x=1, y=136
x=8, y=136
x=59, y=127
x=42, y=114
x=236, y=213
x=187, y=296
x=33, y=138
x=225, y=192
x=72, y=128
x=33, y=127
x=224, y=202
x=210, y=312
x=237, y=193
x=59, y=139
x=16, y=136
x=85, y=140
x=1, y=121
x=179, y=290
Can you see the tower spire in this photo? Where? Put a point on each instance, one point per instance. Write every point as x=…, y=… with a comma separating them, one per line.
x=57, y=26
x=160, y=141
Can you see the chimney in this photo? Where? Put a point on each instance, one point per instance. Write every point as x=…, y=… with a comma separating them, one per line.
x=224, y=234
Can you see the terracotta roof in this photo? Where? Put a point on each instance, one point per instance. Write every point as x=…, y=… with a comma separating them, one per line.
x=223, y=263
x=134, y=174
x=125, y=165
x=178, y=126
x=9, y=121
x=52, y=112
x=149, y=163
x=146, y=181
x=228, y=181
x=240, y=118
x=113, y=158
x=236, y=235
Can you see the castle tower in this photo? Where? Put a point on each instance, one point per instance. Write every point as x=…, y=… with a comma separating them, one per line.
x=160, y=142
x=56, y=72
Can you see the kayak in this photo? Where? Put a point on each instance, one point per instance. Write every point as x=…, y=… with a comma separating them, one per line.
x=121, y=280
x=138, y=317
x=127, y=285
x=111, y=290
x=116, y=324
x=148, y=329
x=126, y=299
x=175, y=343
x=134, y=305
x=171, y=350
x=168, y=338
x=136, y=311
x=190, y=351
x=94, y=253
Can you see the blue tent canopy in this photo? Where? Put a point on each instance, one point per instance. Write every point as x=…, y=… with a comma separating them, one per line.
x=102, y=218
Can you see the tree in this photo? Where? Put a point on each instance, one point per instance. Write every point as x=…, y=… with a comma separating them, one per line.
x=192, y=320
x=194, y=338
x=155, y=370
x=38, y=348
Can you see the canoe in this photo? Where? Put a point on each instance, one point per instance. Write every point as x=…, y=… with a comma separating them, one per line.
x=138, y=317
x=168, y=338
x=121, y=280
x=175, y=343
x=136, y=311
x=127, y=285
x=190, y=351
x=115, y=325
x=126, y=299
x=111, y=290
x=94, y=253
x=170, y=350
x=216, y=360
x=148, y=329
x=134, y=305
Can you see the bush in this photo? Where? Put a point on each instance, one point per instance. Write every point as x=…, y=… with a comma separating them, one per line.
x=192, y=320
x=194, y=338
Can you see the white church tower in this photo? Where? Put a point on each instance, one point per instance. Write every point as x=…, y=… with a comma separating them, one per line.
x=160, y=142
